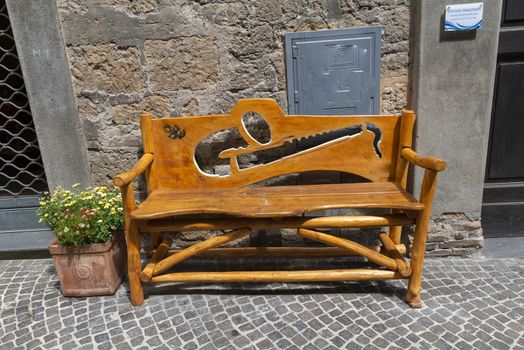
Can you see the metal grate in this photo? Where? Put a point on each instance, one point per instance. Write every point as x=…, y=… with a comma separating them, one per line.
x=21, y=168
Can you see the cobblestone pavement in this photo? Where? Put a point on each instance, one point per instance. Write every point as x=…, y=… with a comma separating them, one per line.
x=471, y=303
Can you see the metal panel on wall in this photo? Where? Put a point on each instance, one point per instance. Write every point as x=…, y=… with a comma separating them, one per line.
x=334, y=72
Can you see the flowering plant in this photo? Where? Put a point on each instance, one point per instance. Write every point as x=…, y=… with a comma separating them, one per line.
x=79, y=218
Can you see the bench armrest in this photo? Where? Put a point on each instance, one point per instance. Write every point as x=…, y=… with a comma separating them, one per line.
x=432, y=163
x=125, y=178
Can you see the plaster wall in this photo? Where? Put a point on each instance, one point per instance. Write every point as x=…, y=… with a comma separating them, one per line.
x=452, y=91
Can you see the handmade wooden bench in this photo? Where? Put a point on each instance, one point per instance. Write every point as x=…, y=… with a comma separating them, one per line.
x=376, y=148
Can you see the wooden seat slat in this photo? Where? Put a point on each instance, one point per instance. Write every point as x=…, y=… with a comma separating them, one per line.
x=275, y=201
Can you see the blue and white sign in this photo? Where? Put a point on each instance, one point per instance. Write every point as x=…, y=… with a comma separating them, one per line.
x=464, y=16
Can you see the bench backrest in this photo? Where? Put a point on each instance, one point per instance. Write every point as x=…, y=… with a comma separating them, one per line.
x=367, y=146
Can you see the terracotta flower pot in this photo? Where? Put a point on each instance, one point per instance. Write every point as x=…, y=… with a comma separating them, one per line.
x=95, y=269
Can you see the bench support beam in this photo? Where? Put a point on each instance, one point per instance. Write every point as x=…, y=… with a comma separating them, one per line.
x=286, y=222
x=350, y=246
x=160, y=253
x=279, y=276
x=197, y=248
x=391, y=249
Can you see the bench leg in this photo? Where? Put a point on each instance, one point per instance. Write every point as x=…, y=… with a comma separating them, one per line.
x=419, y=239
x=134, y=265
x=417, y=261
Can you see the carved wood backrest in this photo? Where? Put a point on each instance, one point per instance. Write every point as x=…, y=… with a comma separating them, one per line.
x=367, y=146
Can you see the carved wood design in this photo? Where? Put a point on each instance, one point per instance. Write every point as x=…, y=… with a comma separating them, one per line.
x=371, y=153
x=174, y=131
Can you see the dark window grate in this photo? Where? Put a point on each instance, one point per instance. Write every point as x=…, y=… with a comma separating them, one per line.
x=21, y=168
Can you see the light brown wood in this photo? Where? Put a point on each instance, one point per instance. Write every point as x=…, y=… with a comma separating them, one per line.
x=134, y=265
x=197, y=248
x=127, y=177
x=352, y=247
x=175, y=167
x=401, y=249
x=160, y=253
x=376, y=148
x=427, y=192
x=402, y=266
x=272, y=223
x=279, y=276
x=275, y=201
x=146, y=127
x=407, y=122
x=432, y=163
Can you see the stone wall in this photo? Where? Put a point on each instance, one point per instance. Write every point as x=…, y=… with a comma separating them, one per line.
x=176, y=57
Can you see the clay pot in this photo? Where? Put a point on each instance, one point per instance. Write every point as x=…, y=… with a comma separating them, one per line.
x=95, y=269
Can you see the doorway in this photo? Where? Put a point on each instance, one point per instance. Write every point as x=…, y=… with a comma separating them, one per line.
x=22, y=176
x=503, y=200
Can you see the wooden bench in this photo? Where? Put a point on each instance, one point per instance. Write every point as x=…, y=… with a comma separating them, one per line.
x=377, y=148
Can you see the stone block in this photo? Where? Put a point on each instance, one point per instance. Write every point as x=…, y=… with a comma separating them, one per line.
x=465, y=252
x=394, y=91
x=466, y=226
x=182, y=63
x=227, y=13
x=158, y=106
x=89, y=109
x=127, y=136
x=254, y=43
x=106, y=163
x=431, y=246
x=478, y=243
x=106, y=67
x=438, y=253
x=190, y=107
x=439, y=236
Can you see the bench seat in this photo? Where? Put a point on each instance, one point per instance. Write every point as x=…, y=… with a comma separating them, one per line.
x=275, y=201
x=179, y=155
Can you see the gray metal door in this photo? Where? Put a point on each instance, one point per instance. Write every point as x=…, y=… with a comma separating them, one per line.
x=22, y=177
x=334, y=72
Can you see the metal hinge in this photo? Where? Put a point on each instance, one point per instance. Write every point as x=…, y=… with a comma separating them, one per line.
x=296, y=96
x=294, y=51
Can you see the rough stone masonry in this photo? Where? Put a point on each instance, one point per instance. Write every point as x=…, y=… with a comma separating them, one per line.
x=181, y=57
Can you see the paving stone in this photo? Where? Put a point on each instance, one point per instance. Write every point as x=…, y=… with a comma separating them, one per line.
x=473, y=305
